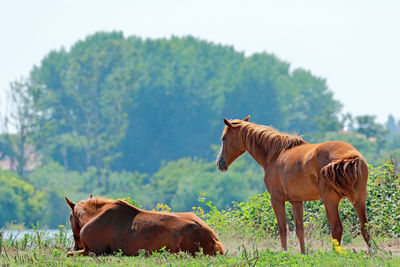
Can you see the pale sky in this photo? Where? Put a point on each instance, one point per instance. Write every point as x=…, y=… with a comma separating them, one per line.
x=354, y=45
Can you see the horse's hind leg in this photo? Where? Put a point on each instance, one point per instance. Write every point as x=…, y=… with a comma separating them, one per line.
x=360, y=203
x=361, y=210
x=297, y=208
x=331, y=200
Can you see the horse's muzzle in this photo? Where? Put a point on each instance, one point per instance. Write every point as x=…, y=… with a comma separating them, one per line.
x=221, y=164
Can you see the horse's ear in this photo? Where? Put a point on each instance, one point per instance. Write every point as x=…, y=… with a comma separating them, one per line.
x=228, y=123
x=91, y=196
x=247, y=118
x=70, y=203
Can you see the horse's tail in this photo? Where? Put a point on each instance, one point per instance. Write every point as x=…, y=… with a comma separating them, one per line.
x=342, y=174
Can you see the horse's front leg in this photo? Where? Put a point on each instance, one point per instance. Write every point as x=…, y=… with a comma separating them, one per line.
x=83, y=252
x=298, y=213
x=279, y=209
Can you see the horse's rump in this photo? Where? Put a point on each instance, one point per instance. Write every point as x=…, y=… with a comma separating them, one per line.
x=342, y=174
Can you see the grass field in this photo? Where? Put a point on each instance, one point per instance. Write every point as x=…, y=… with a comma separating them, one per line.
x=249, y=234
x=39, y=251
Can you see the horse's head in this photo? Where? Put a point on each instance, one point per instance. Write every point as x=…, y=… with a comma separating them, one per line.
x=232, y=146
x=82, y=213
x=75, y=218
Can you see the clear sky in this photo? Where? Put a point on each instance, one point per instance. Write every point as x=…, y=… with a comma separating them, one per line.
x=355, y=45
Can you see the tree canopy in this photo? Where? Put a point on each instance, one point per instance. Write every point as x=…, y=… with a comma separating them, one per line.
x=124, y=117
x=131, y=104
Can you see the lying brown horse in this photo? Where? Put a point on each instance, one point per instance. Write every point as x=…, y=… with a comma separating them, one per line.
x=103, y=226
x=297, y=171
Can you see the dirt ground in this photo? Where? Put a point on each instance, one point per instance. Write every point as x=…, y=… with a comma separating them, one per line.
x=236, y=245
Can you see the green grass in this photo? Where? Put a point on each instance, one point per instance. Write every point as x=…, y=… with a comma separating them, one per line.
x=249, y=234
x=246, y=257
x=246, y=251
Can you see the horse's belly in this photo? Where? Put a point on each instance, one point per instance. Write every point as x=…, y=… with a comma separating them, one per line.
x=149, y=242
x=301, y=188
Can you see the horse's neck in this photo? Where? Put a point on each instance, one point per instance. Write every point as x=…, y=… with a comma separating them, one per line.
x=258, y=154
x=89, y=214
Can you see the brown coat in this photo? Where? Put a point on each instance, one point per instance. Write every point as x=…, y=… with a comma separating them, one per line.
x=297, y=171
x=103, y=226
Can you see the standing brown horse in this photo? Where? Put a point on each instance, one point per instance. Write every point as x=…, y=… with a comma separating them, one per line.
x=297, y=171
x=104, y=226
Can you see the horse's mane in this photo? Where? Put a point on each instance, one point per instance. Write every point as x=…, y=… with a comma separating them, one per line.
x=94, y=204
x=267, y=138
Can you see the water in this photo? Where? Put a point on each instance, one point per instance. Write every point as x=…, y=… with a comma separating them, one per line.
x=19, y=234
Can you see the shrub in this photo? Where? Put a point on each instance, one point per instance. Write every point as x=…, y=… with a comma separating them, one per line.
x=19, y=201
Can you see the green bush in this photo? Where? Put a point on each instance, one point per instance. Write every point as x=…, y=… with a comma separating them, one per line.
x=383, y=202
x=179, y=183
x=19, y=201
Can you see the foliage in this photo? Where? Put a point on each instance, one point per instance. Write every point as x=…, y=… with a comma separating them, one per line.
x=119, y=103
x=57, y=183
x=162, y=207
x=253, y=219
x=19, y=201
x=310, y=104
x=364, y=133
x=78, y=100
x=21, y=120
x=181, y=185
x=37, y=239
x=180, y=182
x=383, y=200
x=129, y=117
x=132, y=202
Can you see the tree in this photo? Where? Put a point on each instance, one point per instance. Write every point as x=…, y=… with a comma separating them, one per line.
x=19, y=201
x=367, y=125
x=153, y=101
x=79, y=100
x=256, y=92
x=392, y=127
x=310, y=106
x=21, y=119
x=180, y=183
x=178, y=98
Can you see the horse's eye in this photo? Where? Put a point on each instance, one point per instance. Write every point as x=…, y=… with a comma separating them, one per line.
x=223, y=138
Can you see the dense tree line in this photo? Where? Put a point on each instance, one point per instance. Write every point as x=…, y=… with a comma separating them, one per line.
x=142, y=118
x=129, y=104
